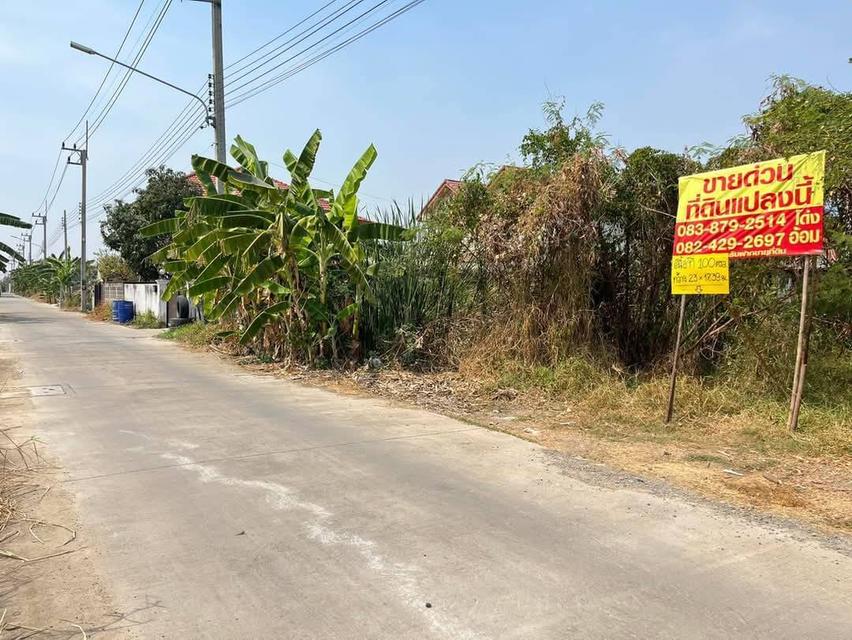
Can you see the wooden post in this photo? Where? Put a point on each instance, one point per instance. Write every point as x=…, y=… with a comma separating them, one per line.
x=670, y=409
x=801, y=349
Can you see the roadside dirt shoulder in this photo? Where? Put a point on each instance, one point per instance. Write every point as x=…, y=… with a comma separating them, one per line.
x=815, y=490
x=49, y=586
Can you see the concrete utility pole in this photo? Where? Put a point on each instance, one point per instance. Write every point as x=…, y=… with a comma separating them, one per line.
x=30, y=241
x=65, y=233
x=42, y=220
x=218, y=85
x=84, y=291
x=82, y=160
x=218, y=118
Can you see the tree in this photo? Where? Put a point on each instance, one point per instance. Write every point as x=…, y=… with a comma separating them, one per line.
x=113, y=268
x=547, y=150
x=799, y=118
x=158, y=200
x=51, y=278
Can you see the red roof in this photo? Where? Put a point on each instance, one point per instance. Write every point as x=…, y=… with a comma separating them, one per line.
x=446, y=189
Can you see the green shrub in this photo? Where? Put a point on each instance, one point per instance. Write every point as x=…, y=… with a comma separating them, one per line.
x=146, y=320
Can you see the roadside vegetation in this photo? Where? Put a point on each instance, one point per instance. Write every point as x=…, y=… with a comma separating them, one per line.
x=542, y=292
x=535, y=299
x=291, y=269
x=553, y=275
x=197, y=335
x=157, y=200
x=54, y=280
x=8, y=253
x=146, y=320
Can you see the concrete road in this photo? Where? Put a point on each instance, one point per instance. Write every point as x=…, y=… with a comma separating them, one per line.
x=249, y=507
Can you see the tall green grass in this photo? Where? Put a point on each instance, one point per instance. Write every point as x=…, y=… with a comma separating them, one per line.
x=421, y=288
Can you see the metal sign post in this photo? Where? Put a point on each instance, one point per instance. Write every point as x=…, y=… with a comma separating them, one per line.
x=801, y=349
x=670, y=409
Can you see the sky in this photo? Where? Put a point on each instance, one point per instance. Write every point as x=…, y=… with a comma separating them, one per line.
x=441, y=88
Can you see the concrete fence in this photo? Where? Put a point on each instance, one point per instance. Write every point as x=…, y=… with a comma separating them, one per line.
x=111, y=291
x=145, y=296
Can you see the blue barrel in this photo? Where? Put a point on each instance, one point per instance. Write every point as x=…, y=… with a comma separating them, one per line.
x=125, y=311
x=115, y=304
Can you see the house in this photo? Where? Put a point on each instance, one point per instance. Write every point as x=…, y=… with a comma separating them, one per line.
x=504, y=176
x=448, y=188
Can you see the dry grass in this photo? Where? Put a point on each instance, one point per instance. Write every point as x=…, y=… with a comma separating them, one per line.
x=197, y=335
x=101, y=313
x=720, y=445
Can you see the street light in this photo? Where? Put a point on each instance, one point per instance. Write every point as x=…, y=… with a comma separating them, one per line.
x=88, y=50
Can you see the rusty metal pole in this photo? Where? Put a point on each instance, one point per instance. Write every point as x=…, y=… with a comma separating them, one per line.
x=672, y=384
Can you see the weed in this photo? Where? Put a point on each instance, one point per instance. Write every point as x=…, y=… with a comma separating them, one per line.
x=195, y=334
x=146, y=320
x=101, y=313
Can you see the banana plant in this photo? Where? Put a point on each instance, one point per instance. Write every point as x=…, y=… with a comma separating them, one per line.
x=288, y=263
x=62, y=272
x=50, y=278
x=7, y=252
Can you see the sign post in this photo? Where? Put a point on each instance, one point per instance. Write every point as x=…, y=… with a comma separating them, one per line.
x=673, y=382
x=694, y=275
x=801, y=350
x=773, y=208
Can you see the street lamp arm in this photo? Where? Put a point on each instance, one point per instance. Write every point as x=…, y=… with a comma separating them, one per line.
x=92, y=52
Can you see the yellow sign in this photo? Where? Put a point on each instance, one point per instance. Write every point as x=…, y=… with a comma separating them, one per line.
x=770, y=208
x=701, y=274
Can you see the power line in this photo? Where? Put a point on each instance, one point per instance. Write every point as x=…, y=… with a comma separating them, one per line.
x=182, y=129
x=152, y=26
x=279, y=65
x=58, y=184
x=88, y=108
x=99, y=119
x=299, y=37
x=109, y=70
x=321, y=56
x=175, y=128
x=142, y=176
x=50, y=182
x=166, y=153
x=280, y=35
x=145, y=37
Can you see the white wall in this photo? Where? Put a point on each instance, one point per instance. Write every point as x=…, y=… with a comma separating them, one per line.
x=145, y=297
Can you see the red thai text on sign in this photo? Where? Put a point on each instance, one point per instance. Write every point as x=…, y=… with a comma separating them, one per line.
x=772, y=208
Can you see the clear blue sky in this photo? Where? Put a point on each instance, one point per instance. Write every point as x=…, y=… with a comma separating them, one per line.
x=445, y=86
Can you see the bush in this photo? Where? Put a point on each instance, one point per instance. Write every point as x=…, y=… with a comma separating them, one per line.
x=146, y=320
x=113, y=268
x=195, y=334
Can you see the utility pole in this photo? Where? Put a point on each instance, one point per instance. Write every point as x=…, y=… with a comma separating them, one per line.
x=42, y=220
x=82, y=160
x=65, y=234
x=218, y=87
x=30, y=241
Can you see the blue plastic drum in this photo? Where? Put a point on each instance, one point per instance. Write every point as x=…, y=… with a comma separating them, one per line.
x=125, y=311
